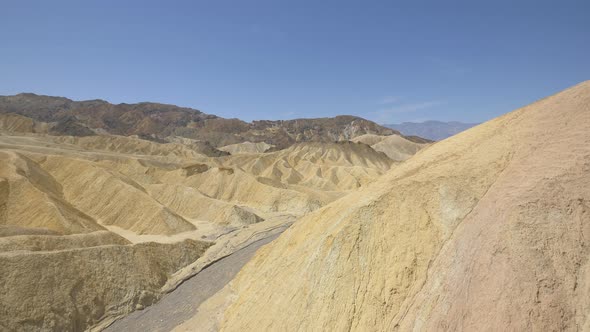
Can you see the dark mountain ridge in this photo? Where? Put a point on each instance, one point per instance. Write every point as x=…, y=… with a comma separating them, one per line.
x=156, y=121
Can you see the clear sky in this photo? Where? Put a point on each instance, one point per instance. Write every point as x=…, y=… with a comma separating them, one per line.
x=388, y=61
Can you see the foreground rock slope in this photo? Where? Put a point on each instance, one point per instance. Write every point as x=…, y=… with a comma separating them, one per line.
x=487, y=230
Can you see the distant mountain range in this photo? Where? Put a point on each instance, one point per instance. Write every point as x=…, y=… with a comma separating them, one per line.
x=434, y=130
x=154, y=121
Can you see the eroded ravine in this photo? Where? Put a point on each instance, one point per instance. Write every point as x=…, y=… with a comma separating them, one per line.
x=182, y=303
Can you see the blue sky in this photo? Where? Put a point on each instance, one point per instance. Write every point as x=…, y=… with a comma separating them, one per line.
x=388, y=61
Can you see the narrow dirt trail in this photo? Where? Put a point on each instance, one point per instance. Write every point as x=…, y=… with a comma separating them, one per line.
x=182, y=303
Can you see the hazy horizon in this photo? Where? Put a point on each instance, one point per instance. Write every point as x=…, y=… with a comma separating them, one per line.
x=184, y=106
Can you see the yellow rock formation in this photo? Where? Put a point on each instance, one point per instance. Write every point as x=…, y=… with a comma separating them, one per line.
x=92, y=228
x=488, y=230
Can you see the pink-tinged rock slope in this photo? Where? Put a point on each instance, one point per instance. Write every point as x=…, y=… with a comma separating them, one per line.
x=488, y=230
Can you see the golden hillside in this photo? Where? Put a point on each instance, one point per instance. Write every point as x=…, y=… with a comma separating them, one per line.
x=487, y=230
x=95, y=227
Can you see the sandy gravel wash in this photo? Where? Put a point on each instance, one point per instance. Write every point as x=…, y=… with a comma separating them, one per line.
x=182, y=303
x=192, y=285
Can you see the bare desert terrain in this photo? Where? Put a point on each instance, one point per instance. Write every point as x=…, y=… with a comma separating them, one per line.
x=94, y=227
x=485, y=231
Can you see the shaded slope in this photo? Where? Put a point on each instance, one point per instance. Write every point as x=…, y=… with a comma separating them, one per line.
x=487, y=230
x=114, y=199
x=71, y=290
x=30, y=198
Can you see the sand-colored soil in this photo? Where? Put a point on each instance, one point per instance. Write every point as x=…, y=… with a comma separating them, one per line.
x=93, y=228
x=486, y=231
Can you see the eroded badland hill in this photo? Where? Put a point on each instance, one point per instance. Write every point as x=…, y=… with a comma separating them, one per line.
x=488, y=230
x=94, y=225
